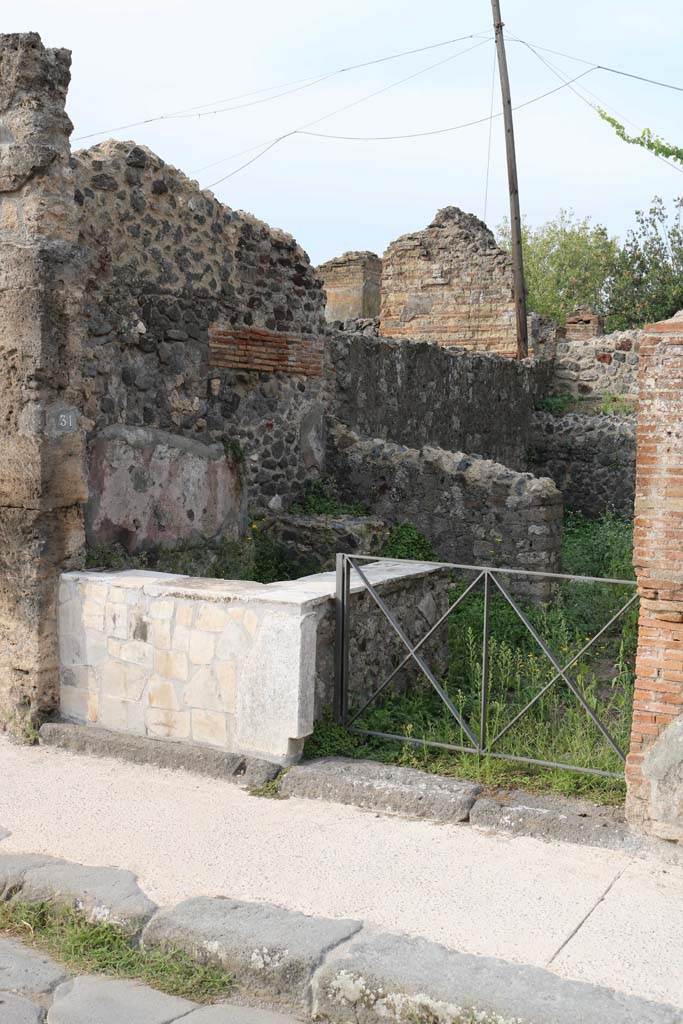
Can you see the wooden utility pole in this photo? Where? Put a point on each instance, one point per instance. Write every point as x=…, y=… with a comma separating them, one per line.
x=515, y=219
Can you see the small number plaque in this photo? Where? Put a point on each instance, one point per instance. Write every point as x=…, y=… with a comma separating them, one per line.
x=62, y=420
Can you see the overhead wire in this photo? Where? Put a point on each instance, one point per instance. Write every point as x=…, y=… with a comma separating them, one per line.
x=594, y=106
x=602, y=67
x=298, y=85
x=301, y=130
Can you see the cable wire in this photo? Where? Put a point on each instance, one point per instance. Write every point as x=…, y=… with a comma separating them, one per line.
x=601, y=67
x=593, y=106
x=347, y=106
x=299, y=83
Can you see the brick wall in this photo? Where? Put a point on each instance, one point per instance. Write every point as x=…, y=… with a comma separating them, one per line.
x=253, y=348
x=655, y=763
x=352, y=285
x=450, y=284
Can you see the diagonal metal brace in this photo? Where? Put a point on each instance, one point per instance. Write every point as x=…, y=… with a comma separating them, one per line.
x=562, y=672
x=417, y=657
x=412, y=650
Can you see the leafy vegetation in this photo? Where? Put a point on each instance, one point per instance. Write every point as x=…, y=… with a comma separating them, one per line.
x=558, y=405
x=617, y=405
x=556, y=728
x=571, y=262
x=566, y=263
x=647, y=139
x=320, y=498
x=406, y=541
x=104, y=949
x=646, y=281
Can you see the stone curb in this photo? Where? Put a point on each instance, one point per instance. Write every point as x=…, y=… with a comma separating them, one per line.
x=218, y=764
x=337, y=969
x=384, y=787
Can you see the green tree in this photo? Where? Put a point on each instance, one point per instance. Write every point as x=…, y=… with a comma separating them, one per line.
x=646, y=283
x=567, y=262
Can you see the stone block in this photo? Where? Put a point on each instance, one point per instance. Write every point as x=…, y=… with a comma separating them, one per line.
x=121, y=715
x=172, y=664
x=209, y=727
x=161, y=694
x=211, y=617
x=168, y=725
x=137, y=652
x=96, y=1000
x=394, y=978
x=382, y=787
x=116, y=620
x=201, y=648
x=24, y=970
x=101, y=894
x=123, y=681
x=17, y=1010
x=271, y=952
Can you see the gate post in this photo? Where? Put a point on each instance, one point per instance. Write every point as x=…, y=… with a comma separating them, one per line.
x=654, y=767
x=42, y=478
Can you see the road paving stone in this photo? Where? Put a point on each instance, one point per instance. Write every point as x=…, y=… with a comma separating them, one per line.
x=17, y=1010
x=24, y=970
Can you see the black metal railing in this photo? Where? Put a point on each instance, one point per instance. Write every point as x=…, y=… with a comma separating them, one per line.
x=480, y=740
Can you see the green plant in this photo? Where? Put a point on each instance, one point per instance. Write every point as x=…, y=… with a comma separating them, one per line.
x=556, y=728
x=320, y=498
x=234, y=451
x=406, y=541
x=566, y=263
x=270, y=789
x=617, y=405
x=647, y=139
x=103, y=948
x=558, y=405
x=646, y=281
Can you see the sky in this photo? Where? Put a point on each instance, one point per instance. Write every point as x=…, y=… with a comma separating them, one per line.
x=136, y=59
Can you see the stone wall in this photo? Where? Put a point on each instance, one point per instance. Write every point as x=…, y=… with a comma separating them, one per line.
x=236, y=665
x=596, y=365
x=352, y=285
x=592, y=459
x=450, y=284
x=42, y=480
x=472, y=510
x=654, y=769
x=421, y=394
x=166, y=261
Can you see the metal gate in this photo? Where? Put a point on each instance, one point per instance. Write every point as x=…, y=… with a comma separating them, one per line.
x=477, y=732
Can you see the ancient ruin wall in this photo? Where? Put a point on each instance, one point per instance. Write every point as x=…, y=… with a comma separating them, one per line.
x=472, y=510
x=592, y=459
x=451, y=284
x=421, y=394
x=597, y=365
x=42, y=483
x=654, y=769
x=352, y=285
x=167, y=262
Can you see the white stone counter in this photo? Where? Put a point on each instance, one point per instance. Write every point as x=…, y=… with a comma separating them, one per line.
x=228, y=663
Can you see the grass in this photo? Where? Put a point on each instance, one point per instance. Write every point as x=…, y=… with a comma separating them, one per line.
x=406, y=541
x=104, y=949
x=556, y=728
x=617, y=405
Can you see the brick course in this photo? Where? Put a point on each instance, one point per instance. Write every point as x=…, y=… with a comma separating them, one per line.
x=253, y=348
x=658, y=558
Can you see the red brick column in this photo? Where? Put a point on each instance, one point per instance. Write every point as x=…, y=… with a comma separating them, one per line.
x=654, y=768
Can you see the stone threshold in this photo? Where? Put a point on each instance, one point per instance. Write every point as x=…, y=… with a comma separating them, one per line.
x=342, y=971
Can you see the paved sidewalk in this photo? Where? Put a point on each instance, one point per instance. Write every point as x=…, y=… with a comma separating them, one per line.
x=588, y=914
x=34, y=989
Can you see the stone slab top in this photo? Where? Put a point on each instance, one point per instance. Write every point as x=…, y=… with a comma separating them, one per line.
x=305, y=592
